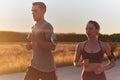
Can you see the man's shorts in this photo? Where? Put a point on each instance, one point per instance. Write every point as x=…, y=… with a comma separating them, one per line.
x=33, y=74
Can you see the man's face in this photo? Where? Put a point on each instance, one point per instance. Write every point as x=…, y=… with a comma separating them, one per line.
x=37, y=13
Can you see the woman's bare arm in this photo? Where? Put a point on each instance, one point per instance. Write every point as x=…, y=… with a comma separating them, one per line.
x=111, y=63
x=77, y=56
x=111, y=60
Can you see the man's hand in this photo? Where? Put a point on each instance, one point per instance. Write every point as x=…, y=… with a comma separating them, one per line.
x=31, y=37
x=28, y=46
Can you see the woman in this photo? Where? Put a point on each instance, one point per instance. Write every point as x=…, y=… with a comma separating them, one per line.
x=92, y=53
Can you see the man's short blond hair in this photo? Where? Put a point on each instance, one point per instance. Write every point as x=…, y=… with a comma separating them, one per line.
x=41, y=5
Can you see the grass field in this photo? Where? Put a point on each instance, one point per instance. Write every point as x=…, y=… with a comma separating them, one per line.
x=15, y=58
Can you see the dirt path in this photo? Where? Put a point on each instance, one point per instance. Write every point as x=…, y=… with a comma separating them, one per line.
x=69, y=73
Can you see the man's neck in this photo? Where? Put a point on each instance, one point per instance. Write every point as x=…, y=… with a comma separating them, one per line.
x=40, y=21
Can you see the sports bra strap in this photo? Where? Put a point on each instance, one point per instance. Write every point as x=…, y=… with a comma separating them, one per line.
x=98, y=43
x=84, y=44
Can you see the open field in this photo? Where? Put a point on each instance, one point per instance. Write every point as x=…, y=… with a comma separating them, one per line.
x=15, y=58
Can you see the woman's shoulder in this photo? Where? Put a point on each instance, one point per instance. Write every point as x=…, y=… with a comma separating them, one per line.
x=104, y=44
x=81, y=44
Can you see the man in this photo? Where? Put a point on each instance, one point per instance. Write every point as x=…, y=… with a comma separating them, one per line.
x=42, y=41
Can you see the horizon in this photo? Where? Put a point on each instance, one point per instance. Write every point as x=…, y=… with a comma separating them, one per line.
x=59, y=33
x=65, y=16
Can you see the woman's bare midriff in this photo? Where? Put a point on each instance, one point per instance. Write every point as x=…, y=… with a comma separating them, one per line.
x=92, y=66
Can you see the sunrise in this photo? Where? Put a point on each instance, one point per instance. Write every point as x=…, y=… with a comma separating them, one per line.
x=59, y=40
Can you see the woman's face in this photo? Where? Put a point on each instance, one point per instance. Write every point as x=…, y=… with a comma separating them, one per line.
x=91, y=31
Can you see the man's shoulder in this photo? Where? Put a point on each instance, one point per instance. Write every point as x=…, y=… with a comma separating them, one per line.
x=48, y=25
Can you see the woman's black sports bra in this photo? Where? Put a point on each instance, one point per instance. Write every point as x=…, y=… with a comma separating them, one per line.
x=93, y=57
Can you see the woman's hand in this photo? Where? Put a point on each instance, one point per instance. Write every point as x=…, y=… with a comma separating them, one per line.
x=78, y=64
x=99, y=70
x=86, y=62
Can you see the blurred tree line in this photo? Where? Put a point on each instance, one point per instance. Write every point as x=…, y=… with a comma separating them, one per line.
x=72, y=37
x=6, y=36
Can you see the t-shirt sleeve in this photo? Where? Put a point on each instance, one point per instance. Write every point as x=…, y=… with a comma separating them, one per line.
x=49, y=34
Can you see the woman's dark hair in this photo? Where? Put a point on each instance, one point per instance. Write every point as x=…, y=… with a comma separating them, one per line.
x=97, y=26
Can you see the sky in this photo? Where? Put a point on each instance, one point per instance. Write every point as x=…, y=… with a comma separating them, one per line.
x=66, y=16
